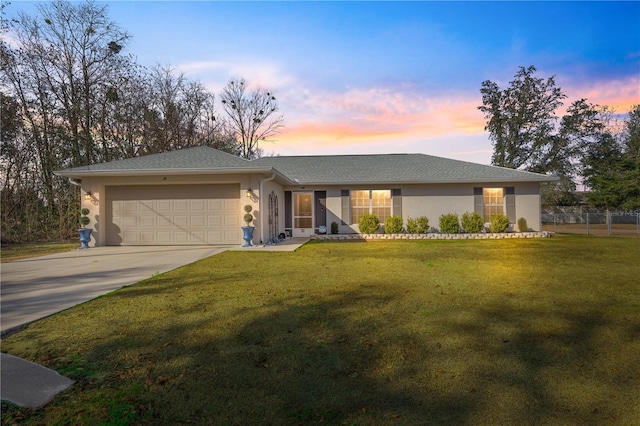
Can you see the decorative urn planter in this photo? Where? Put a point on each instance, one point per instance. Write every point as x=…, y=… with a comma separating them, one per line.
x=85, y=233
x=247, y=235
x=247, y=231
x=85, y=237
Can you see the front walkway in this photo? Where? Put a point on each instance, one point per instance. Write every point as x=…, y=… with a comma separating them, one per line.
x=290, y=244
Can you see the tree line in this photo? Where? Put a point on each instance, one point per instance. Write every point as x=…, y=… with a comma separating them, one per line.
x=589, y=145
x=71, y=96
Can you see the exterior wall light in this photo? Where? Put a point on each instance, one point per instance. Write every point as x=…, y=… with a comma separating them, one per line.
x=87, y=196
x=249, y=194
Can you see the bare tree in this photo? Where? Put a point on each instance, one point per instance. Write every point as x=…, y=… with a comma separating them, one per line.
x=250, y=116
x=180, y=114
x=72, y=49
x=57, y=74
x=122, y=112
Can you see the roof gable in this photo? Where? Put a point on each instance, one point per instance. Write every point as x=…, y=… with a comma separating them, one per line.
x=200, y=157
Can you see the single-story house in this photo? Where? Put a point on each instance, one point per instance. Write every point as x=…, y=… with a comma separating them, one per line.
x=197, y=195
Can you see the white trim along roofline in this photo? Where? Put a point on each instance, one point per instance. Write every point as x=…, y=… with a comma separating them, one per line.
x=544, y=178
x=159, y=172
x=293, y=182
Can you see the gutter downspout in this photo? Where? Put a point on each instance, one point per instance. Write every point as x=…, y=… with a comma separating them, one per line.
x=260, y=204
x=78, y=184
x=73, y=182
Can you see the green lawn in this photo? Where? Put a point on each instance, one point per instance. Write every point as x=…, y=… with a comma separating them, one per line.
x=536, y=331
x=11, y=252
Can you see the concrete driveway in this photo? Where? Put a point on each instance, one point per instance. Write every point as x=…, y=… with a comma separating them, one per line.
x=36, y=288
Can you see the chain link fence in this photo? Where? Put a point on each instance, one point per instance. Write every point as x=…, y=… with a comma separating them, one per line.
x=590, y=221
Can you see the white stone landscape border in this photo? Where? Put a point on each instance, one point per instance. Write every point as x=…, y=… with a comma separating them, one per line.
x=434, y=236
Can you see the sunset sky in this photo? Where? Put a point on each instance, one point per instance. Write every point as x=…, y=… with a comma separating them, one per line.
x=388, y=77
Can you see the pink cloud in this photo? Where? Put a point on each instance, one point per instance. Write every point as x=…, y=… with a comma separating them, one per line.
x=363, y=116
x=619, y=94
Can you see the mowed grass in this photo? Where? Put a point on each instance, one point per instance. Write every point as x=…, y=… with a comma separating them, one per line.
x=537, y=331
x=11, y=252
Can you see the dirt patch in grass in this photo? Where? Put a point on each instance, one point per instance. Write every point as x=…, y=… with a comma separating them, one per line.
x=11, y=252
x=386, y=332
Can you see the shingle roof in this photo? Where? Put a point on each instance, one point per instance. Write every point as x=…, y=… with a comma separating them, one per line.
x=321, y=169
x=391, y=168
x=200, y=157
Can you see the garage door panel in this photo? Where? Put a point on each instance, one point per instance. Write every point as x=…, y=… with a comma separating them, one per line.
x=198, y=236
x=197, y=221
x=164, y=237
x=231, y=204
x=231, y=220
x=147, y=221
x=164, y=222
x=147, y=237
x=146, y=207
x=181, y=221
x=130, y=237
x=215, y=205
x=130, y=206
x=163, y=206
x=173, y=214
x=180, y=237
x=197, y=206
x=214, y=220
x=181, y=205
x=129, y=221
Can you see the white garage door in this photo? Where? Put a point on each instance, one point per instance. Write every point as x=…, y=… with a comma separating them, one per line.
x=173, y=215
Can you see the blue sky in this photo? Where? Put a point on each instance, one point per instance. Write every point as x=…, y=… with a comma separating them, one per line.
x=379, y=77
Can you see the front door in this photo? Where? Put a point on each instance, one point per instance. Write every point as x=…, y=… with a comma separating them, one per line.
x=302, y=214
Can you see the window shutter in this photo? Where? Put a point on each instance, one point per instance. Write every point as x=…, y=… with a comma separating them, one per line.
x=321, y=208
x=510, y=203
x=396, y=201
x=288, y=209
x=346, y=217
x=478, y=202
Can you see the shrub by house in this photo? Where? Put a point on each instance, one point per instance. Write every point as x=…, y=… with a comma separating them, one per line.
x=498, y=223
x=472, y=223
x=419, y=225
x=522, y=225
x=368, y=223
x=449, y=223
x=393, y=225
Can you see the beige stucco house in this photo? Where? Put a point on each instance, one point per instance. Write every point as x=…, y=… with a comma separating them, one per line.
x=196, y=196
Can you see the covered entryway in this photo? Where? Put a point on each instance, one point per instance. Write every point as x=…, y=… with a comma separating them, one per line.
x=302, y=214
x=173, y=214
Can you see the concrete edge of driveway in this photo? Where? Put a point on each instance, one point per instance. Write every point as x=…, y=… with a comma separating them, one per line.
x=28, y=384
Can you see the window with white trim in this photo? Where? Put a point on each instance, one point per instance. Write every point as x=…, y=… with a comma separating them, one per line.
x=376, y=201
x=493, y=200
